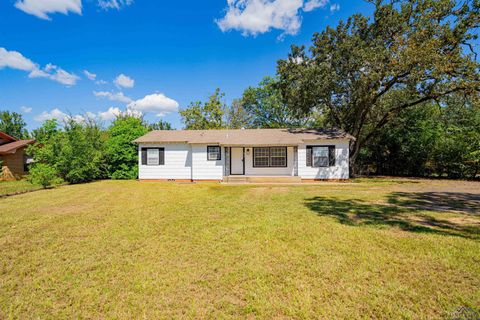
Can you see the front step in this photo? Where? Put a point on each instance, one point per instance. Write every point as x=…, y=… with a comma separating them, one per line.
x=263, y=179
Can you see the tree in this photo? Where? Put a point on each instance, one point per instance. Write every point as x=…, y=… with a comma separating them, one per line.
x=365, y=72
x=266, y=108
x=237, y=116
x=75, y=152
x=44, y=175
x=12, y=123
x=204, y=116
x=160, y=125
x=121, y=153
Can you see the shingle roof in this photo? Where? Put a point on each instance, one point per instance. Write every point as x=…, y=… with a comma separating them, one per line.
x=243, y=136
x=13, y=146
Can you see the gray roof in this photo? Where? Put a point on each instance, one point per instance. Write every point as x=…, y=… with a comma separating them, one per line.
x=243, y=136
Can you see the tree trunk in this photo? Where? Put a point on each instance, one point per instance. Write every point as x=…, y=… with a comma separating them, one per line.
x=354, y=151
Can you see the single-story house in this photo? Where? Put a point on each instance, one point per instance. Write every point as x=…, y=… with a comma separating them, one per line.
x=13, y=157
x=289, y=155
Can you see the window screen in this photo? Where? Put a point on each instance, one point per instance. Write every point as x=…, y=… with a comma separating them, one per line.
x=320, y=156
x=153, y=157
x=270, y=157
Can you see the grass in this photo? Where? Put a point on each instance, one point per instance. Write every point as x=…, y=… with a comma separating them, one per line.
x=126, y=250
x=15, y=187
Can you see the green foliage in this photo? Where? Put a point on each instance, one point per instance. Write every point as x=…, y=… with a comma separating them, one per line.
x=160, y=125
x=207, y=115
x=366, y=71
x=428, y=140
x=12, y=123
x=265, y=108
x=44, y=175
x=237, y=116
x=121, y=153
x=75, y=151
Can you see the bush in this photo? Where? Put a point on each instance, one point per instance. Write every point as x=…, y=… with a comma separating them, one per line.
x=44, y=175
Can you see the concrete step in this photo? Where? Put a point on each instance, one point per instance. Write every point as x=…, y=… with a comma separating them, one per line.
x=262, y=179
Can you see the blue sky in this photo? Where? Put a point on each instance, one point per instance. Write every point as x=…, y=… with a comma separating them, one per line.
x=153, y=57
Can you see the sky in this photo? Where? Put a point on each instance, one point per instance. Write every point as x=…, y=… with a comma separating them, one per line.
x=96, y=58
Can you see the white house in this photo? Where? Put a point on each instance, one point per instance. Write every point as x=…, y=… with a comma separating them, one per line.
x=244, y=155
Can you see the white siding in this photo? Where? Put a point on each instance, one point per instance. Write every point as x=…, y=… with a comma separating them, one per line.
x=339, y=171
x=178, y=162
x=283, y=171
x=203, y=169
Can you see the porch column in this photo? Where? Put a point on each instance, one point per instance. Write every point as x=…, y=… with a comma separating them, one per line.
x=295, y=161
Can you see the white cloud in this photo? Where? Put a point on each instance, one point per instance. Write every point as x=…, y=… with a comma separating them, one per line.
x=89, y=75
x=41, y=8
x=61, y=116
x=334, y=7
x=113, y=96
x=110, y=114
x=314, y=4
x=124, y=81
x=100, y=82
x=15, y=60
x=53, y=114
x=114, y=4
x=252, y=17
x=26, y=109
x=156, y=103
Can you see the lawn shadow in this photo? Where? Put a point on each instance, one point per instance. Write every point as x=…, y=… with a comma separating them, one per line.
x=407, y=211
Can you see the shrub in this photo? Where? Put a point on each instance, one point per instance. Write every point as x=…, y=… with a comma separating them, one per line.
x=44, y=175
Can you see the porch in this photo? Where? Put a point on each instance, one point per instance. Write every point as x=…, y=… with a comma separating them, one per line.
x=261, y=163
x=262, y=179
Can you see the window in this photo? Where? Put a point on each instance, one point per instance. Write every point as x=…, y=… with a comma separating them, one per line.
x=260, y=157
x=270, y=157
x=153, y=156
x=320, y=156
x=214, y=153
x=278, y=157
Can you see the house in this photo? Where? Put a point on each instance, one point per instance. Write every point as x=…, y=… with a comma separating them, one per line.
x=13, y=157
x=283, y=155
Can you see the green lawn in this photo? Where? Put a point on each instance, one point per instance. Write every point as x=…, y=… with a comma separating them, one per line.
x=127, y=250
x=14, y=187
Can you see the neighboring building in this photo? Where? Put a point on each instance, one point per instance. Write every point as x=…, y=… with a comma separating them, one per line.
x=244, y=155
x=13, y=157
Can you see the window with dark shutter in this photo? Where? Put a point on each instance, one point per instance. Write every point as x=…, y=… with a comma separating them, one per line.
x=153, y=156
x=320, y=156
x=331, y=156
x=144, y=156
x=309, y=156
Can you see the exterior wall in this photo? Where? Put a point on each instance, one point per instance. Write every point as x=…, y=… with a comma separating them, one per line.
x=178, y=163
x=339, y=171
x=13, y=164
x=283, y=171
x=203, y=169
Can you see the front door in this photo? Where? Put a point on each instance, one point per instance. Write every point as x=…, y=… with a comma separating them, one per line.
x=237, y=159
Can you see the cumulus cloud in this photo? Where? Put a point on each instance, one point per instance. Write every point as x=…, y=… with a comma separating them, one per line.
x=113, y=96
x=26, y=109
x=156, y=103
x=114, y=4
x=42, y=8
x=124, y=81
x=89, y=75
x=15, y=60
x=110, y=114
x=253, y=17
x=52, y=114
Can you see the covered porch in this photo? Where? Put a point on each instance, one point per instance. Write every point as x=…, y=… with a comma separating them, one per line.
x=261, y=163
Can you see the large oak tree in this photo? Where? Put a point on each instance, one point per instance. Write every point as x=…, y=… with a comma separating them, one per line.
x=367, y=70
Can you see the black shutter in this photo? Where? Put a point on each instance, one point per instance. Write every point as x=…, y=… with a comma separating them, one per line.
x=161, y=156
x=144, y=156
x=309, y=156
x=331, y=156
